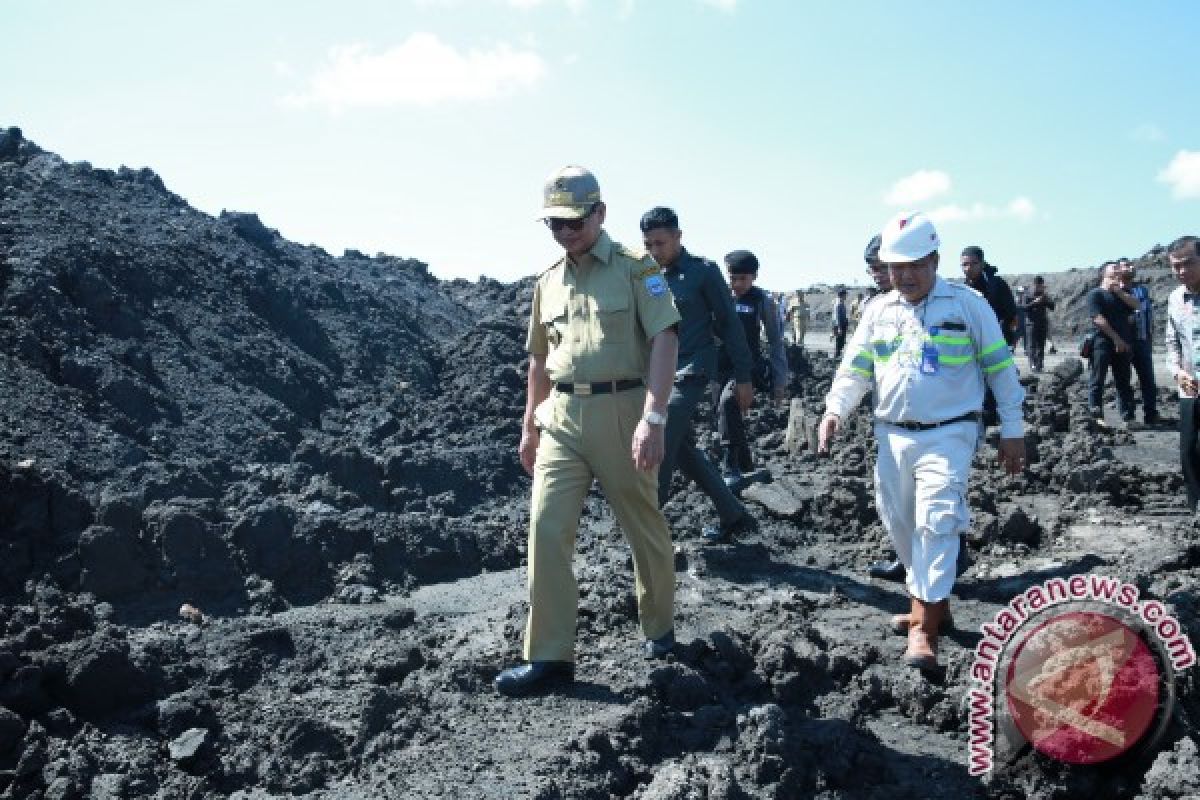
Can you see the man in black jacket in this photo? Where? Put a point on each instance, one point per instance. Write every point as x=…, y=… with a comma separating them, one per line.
x=981, y=276
x=707, y=312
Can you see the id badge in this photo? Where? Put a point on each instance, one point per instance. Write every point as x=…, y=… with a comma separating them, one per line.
x=929, y=359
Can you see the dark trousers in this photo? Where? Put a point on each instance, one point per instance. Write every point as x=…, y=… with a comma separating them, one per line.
x=681, y=452
x=731, y=426
x=1143, y=364
x=839, y=342
x=1189, y=447
x=1037, y=345
x=1105, y=355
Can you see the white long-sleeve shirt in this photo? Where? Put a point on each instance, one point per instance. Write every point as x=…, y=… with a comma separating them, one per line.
x=1182, y=315
x=930, y=361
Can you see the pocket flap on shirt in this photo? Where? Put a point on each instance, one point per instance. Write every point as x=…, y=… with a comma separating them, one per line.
x=553, y=308
x=612, y=301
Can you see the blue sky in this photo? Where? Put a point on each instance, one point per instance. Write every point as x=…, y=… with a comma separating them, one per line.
x=1052, y=134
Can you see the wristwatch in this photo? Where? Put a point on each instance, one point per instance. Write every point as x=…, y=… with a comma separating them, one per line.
x=654, y=418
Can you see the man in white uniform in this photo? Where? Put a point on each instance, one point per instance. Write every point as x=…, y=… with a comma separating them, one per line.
x=927, y=349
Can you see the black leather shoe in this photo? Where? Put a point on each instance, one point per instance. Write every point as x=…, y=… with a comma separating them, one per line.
x=724, y=534
x=964, y=559
x=525, y=678
x=887, y=570
x=660, y=647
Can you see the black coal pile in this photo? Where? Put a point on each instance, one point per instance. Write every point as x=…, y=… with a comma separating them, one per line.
x=262, y=529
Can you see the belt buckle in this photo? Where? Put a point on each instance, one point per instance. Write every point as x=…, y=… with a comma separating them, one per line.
x=581, y=389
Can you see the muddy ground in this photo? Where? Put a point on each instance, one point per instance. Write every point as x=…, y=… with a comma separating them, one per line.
x=317, y=455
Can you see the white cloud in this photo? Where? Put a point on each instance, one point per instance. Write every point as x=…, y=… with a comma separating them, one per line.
x=1020, y=208
x=728, y=6
x=525, y=5
x=422, y=70
x=922, y=185
x=1148, y=132
x=574, y=6
x=1183, y=174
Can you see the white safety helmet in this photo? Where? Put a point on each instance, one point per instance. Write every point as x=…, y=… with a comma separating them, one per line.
x=908, y=236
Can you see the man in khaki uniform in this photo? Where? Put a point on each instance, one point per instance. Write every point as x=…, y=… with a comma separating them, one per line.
x=602, y=345
x=797, y=314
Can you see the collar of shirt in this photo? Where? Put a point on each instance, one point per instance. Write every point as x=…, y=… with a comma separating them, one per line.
x=601, y=251
x=681, y=262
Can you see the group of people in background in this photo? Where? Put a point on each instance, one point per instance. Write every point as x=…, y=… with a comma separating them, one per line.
x=624, y=347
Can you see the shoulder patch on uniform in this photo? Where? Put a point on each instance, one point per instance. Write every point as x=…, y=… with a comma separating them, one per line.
x=656, y=284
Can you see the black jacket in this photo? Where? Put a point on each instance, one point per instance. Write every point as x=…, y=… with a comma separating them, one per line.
x=1000, y=297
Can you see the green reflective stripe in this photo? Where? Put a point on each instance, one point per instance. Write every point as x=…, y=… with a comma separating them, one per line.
x=862, y=372
x=1008, y=362
x=956, y=360
x=942, y=338
x=991, y=348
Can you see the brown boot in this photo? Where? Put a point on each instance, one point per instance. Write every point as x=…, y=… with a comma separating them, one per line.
x=900, y=623
x=922, y=636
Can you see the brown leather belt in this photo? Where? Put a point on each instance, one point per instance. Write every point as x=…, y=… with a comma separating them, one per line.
x=604, y=387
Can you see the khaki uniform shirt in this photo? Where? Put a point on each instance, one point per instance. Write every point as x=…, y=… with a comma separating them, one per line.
x=593, y=319
x=797, y=309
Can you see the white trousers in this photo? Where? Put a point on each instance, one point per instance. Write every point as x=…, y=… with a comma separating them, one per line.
x=921, y=494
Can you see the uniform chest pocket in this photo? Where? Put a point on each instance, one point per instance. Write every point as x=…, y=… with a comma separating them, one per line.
x=952, y=339
x=555, y=320
x=613, y=314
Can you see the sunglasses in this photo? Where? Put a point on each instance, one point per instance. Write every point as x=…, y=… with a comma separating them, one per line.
x=570, y=224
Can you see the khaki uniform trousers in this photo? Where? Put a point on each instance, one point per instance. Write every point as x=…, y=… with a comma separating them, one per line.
x=582, y=438
x=799, y=328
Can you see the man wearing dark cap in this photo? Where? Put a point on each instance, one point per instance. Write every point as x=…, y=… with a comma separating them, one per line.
x=893, y=569
x=602, y=346
x=757, y=313
x=841, y=323
x=706, y=312
x=876, y=268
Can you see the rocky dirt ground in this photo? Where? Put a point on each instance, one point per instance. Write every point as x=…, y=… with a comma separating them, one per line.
x=316, y=454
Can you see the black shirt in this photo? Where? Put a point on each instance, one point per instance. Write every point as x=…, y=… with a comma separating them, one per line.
x=1037, y=311
x=1000, y=297
x=1102, y=302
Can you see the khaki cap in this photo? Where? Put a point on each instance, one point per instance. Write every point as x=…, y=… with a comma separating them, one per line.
x=569, y=193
